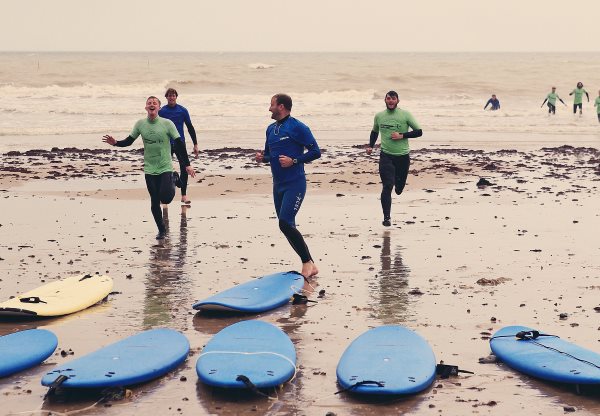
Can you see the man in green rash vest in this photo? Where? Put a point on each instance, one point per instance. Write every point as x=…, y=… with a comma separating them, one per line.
x=578, y=99
x=597, y=105
x=394, y=160
x=157, y=133
x=551, y=98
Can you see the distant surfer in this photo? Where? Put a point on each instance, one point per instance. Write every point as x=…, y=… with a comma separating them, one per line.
x=394, y=160
x=597, y=105
x=157, y=133
x=578, y=98
x=551, y=99
x=179, y=115
x=494, y=102
x=284, y=151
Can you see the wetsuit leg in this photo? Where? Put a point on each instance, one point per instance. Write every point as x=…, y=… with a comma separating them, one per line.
x=167, y=187
x=288, y=201
x=401, y=164
x=387, y=175
x=153, y=185
x=183, y=175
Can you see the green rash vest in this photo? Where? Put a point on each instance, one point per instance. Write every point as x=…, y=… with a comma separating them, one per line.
x=157, y=135
x=552, y=97
x=597, y=104
x=578, y=92
x=389, y=121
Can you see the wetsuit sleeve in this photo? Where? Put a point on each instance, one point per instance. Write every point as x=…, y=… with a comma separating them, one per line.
x=546, y=99
x=266, y=153
x=188, y=123
x=488, y=103
x=412, y=134
x=180, y=151
x=587, y=95
x=305, y=137
x=125, y=142
x=373, y=138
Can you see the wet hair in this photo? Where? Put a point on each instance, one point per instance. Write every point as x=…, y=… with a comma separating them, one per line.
x=392, y=94
x=156, y=98
x=285, y=100
x=171, y=91
x=580, y=84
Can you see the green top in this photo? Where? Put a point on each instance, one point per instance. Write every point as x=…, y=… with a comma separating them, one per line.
x=597, y=104
x=389, y=121
x=157, y=135
x=552, y=98
x=578, y=92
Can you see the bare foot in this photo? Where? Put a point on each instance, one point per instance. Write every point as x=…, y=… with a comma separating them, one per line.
x=309, y=269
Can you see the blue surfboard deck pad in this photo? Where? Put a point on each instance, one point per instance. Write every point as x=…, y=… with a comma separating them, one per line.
x=255, y=349
x=25, y=349
x=258, y=295
x=136, y=359
x=387, y=360
x=546, y=357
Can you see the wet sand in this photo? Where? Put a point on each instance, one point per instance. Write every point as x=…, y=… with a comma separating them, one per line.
x=460, y=262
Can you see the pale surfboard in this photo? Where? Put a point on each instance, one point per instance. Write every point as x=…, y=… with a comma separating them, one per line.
x=59, y=298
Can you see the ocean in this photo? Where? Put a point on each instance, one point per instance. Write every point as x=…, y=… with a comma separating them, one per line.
x=71, y=99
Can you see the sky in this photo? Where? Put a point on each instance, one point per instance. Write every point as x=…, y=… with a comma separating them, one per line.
x=301, y=25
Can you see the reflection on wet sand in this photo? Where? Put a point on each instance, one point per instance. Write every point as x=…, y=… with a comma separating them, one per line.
x=168, y=286
x=389, y=291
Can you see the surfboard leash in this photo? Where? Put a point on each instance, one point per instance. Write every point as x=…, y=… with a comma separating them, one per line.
x=361, y=383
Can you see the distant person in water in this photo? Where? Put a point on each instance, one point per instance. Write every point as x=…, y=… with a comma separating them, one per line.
x=284, y=151
x=578, y=98
x=394, y=160
x=597, y=105
x=551, y=98
x=179, y=115
x=494, y=102
x=157, y=133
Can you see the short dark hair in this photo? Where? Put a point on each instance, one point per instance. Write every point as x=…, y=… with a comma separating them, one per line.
x=392, y=94
x=285, y=100
x=156, y=98
x=171, y=91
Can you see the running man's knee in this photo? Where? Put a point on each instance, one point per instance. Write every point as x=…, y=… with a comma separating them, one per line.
x=285, y=225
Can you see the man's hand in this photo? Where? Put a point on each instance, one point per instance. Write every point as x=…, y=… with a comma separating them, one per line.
x=196, y=151
x=190, y=171
x=109, y=139
x=369, y=149
x=285, y=161
x=260, y=157
x=397, y=136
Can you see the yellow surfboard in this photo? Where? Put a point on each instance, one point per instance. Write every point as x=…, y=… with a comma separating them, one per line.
x=59, y=298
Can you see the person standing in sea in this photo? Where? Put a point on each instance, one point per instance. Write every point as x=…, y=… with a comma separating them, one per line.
x=286, y=140
x=157, y=134
x=494, y=102
x=179, y=115
x=394, y=159
x=551, y=98
x=578, y=98
x=597, y=105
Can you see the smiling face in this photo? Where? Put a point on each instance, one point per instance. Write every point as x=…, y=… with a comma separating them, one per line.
x=391, y=102
x=277, y=110
x=171, y=99
x=152, y=107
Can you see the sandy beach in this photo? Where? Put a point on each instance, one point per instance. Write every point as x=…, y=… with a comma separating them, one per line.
x=460, y=262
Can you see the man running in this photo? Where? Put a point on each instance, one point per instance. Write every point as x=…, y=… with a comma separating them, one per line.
x=494, y=102
x=551, y=98
x=578, y=99
x=284, y=151
x=394, y=159
x=597, y=105
x=179, y=115
x=157, y=133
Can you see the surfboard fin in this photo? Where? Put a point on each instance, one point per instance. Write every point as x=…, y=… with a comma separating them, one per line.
x=446, y=370
x=55, y=385
x=250, y=385
x=298, y=299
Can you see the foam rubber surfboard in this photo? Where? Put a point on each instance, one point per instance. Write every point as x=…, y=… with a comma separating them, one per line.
x=387, y=360
x=59, y=298
x=545, y=356
x=257, y=295
x=135, y=359
x=25, y=349
x=249, y=351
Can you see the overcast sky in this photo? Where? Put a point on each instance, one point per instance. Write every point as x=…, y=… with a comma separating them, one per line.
x=300, y=25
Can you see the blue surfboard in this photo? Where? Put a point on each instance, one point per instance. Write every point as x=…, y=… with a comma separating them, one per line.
x=258, y=350
x=387, y=360
x=135, y=359
x=546, y=357
x=25, y=349
x=257, y=295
